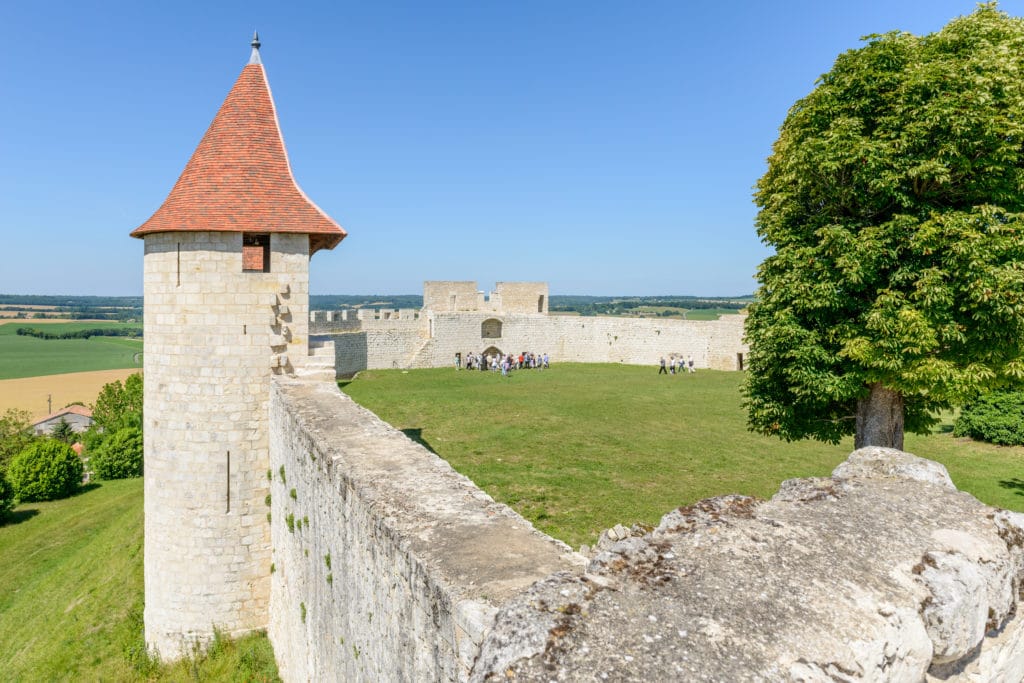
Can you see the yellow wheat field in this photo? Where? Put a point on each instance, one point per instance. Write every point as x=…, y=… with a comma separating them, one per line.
x=29, y=393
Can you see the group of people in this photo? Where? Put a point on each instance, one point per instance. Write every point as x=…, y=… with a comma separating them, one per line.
x=506, y=363
x=675, y=364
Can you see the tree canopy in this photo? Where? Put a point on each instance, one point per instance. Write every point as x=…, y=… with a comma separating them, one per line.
x=15, y=434
x=119, y=405
x=894, y=201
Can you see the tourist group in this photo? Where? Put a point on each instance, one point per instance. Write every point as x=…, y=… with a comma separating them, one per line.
x=505, y=362
x=675, y=364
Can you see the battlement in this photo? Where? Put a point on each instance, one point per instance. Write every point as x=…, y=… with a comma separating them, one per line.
x=354, y=314
x=444, y=296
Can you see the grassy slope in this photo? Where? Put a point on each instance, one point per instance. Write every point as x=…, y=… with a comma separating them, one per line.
x=31, y=357
x=582, y=447
x=72, y=583
x=71, y=597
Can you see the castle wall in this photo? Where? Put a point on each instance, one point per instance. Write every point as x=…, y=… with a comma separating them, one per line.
x=419, y=558
x=214, y=336
x=450, y=295
x=520, y=297
x=433, y=340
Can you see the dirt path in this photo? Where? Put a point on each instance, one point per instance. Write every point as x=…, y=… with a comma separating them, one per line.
x=29, y=393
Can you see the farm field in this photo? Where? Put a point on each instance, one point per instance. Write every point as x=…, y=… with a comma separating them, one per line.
x=580, y=448
x=30, y=393
x=678, y=312
x=71, y=596
x=23, y=356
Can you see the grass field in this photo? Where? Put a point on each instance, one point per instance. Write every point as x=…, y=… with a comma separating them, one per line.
x=22, y=356
x=709, y=313
x=71, y=597
x=30, y=393
x=576, y=449
x=580, y=448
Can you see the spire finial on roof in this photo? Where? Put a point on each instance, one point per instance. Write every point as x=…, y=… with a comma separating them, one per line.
x=254, y=58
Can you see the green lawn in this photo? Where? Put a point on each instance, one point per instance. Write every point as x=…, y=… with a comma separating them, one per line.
x=579, y=448
x=709, y=313
x=71, y=597
x=677, y=312
x=23, y=356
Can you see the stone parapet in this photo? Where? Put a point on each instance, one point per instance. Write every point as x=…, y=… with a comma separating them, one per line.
x=883, y=572
x=388, y=564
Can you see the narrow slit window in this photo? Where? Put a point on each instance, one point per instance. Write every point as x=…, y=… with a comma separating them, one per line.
x=255, y=253
x=227, y=483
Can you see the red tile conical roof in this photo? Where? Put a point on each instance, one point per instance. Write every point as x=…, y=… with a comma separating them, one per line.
x=239, y=178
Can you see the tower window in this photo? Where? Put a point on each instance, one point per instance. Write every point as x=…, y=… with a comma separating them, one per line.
x=255, y=253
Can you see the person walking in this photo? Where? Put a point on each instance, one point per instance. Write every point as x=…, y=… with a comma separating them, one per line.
x=689, y=361
x=661, y=367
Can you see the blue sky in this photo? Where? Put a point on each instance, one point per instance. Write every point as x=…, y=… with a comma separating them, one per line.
x=603, y=147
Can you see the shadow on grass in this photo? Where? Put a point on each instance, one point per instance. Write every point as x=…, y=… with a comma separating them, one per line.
x=1015, y=483
x=19, y=516
x=85, y=488
x=342, y=383
x=417, y=436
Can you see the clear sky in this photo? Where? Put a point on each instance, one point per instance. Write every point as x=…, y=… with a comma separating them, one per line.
x=602, y=147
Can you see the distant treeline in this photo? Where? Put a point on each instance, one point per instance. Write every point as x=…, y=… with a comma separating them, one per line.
x=130, y=307
x=584, y=305
x=608, y=305
x=81, y=334
x=74, y=307
x=331, y=302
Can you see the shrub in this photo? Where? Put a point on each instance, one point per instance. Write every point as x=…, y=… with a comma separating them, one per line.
x=6, y=496
x=45, y=470
x=92, y=438
x=119, y=456
x=996, y=417
x=15, y=434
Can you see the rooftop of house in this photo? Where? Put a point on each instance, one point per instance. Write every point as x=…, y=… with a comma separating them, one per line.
x=69, y=410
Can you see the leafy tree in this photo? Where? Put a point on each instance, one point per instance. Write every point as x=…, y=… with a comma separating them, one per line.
x=119, y=405
x=62, y=431
x=46, y=470
x=119, y=456
x=92, y=438
x=15, y=434
x=893, y=199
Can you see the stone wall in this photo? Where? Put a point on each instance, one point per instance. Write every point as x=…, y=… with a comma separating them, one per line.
x=520, y=297
x=434, y=339
x=388, y=565
x=882, y=572
x=454, y=295
x=214, y=336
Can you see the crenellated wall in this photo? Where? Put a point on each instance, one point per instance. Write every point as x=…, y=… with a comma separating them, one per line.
x=435, y=338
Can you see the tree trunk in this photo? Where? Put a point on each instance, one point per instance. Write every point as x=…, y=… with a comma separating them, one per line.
x=880, y=419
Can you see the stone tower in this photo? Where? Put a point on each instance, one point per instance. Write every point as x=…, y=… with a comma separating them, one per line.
x=226, y=306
